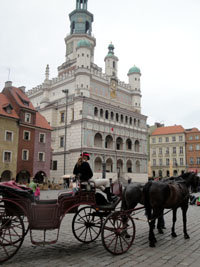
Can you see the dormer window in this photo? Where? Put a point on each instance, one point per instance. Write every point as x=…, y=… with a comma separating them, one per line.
x=8, y=108
x=28, y=117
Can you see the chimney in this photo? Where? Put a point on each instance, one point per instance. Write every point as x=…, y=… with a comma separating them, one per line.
x=8, y=84
x=22, y=88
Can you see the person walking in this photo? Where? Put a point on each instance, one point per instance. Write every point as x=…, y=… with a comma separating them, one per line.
x=37, y=193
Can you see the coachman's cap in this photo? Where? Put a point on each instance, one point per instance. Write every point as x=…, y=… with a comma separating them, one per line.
x=85, y=154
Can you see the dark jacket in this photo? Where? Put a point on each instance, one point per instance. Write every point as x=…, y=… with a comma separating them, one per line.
x=84, y=170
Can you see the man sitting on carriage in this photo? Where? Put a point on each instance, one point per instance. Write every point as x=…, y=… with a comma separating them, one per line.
x=83, y=170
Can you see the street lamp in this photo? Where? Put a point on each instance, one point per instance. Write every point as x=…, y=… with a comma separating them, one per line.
x=103, y=168
x=66, y=91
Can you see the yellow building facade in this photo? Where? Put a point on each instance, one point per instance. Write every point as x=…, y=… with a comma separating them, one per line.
x=9, y=135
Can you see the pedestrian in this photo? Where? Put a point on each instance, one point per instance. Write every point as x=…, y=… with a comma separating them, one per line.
x=33, y=186
x=37, y=193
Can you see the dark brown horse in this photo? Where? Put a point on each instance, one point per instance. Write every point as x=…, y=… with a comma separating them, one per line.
x=168, y=195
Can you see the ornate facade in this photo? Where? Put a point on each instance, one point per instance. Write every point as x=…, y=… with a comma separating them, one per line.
x=91, y=110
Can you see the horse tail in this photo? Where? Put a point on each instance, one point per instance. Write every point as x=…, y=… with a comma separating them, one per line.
x=147, y=204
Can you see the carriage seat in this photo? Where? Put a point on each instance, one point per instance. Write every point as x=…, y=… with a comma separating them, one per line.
x=12, y=190
x=46, y=201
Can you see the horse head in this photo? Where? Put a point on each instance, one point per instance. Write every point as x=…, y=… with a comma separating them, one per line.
x=191, y=179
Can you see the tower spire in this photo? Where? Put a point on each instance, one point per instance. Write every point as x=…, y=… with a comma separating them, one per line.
x=47, y=73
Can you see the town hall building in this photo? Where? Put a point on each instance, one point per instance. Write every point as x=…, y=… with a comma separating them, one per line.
x=92, y=110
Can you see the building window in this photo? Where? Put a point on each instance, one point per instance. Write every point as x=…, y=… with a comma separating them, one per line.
x=154, y=162
x=181, y=150
x=190, y=137
x=174, y=150
x=101, y=112
x=197, y=147
x=167, y=162
x=28, y=117
x=180, y=138
x=198, y=160
x=166, y=139
x=153, y=140
x=25, y=154
x=173, y=138
x=174, y=162
x=122, y=118
x=62, y=139
x=41, y=156
x=130, y=121
x=160, y=162
x=160, y=151
x=126, y=119
x=62, y=117
x=197, y=137
x=117, y=117
x=106, y=114
x=54, y=165
x=9, y=136
x=96, y=111
x=181, y=162
x=160, y=140
x=190, y=147
x=191, y=160
x=113, y=64
x=167, y=150
x=154, y=152
x=42, y=138
x=7, y=156
x=112, y=115
x=27, y=135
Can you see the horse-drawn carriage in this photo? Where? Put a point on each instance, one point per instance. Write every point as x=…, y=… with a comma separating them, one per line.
x=20, y=214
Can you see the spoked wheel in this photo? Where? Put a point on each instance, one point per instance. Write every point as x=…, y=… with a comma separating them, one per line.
x=11, y=233
x=118, y=233
x=86, y=225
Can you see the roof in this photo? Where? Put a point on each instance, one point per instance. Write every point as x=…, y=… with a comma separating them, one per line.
x=83, y=43
x=192, y=130
x=21, y=98
x=134, y=69
x=41, y=122
x=169, y=130
x=4, y=102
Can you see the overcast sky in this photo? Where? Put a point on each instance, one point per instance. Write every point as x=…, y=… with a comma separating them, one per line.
x=161, y=37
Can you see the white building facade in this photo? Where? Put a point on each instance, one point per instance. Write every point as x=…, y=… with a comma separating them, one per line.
x=98, y=113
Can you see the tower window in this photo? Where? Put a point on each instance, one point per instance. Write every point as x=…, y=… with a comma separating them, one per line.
x=114, y=65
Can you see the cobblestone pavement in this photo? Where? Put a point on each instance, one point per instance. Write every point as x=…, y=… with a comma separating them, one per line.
x=69, y=252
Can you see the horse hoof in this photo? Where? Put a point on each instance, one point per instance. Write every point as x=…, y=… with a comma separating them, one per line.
x=160, y=231
x=174, y=234
x=186, y=236
x=152, y=245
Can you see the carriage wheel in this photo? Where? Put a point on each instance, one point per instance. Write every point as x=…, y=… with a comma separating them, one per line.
x=118, y=233
x=86, y=225
x=11, y=233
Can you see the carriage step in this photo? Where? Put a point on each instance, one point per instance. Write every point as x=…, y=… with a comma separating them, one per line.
x=45, y=240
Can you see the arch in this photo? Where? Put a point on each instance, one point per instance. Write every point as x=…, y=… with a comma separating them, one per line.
x=95, y=111
x=126, y=119
x=130, y=121
x=117, y=116
x=134, y=122
x=98, y=165
x=160, y=173
x=137, y=165
x=109, y=142
x=119, y=143
x=98, y=140
x=154, y=174
x=129, y=166
x=109, y=165
x=122, y=118
x=6, y=176
x=128, y=144
x=137, y=146
x=119, y=167
x=167, y=173
x=87, y=27
x=175, y=173
x=23, y=177
x=40, y=177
